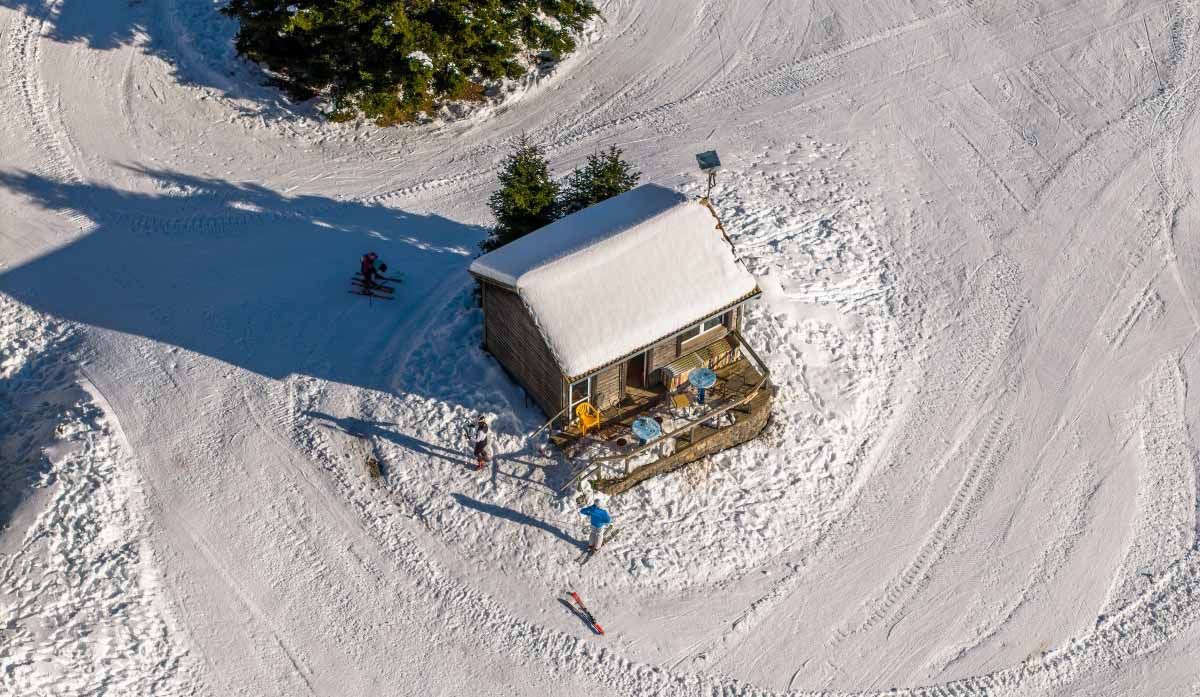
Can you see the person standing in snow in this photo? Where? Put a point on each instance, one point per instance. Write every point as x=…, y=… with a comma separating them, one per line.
x=367, y=269
x=599, y=518
x=483, y=443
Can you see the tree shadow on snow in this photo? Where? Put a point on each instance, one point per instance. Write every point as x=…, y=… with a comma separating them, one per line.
x=190, y=36
x=254, y=278
x=517, y=517
x=106, y=27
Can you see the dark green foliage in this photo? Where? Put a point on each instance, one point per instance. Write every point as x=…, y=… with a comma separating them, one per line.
x=366, y=55
x=527, y=198
x=605, y=175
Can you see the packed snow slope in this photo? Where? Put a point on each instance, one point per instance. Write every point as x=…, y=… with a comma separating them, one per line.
x=974, y=227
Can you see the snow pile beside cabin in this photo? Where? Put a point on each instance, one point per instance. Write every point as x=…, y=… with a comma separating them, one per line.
x=619, y=275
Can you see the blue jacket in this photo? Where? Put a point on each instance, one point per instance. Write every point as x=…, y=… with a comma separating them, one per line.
x=598, y=515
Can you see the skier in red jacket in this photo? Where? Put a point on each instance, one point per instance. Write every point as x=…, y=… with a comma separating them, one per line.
x=368, y=270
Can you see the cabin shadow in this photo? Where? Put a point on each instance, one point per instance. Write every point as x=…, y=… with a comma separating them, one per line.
x=247, y=275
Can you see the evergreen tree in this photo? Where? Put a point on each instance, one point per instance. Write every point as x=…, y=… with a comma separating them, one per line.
x=527, y=197
x=605, y=175
x=392, y=60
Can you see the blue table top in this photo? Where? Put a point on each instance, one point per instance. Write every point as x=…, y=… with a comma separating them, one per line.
x=646, y=428
x=702, y=378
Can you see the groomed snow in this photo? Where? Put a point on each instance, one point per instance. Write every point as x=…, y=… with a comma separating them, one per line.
x=973, y=226
x=621, y=274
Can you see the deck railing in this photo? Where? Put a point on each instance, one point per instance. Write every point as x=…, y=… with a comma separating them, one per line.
x=619, y=464
x=548, y=424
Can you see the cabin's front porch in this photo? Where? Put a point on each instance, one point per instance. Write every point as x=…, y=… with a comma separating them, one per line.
x=615, y=421
x=733, y=381
x=614, y=459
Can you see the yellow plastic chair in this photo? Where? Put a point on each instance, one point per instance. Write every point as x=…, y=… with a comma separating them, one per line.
x=589, y=417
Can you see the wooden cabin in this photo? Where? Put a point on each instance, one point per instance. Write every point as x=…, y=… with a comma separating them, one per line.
x=627, y=296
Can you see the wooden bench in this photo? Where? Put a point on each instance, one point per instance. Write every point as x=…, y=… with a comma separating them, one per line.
x=716, y=355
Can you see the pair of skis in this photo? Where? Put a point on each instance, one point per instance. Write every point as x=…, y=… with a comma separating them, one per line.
x=608, y=537
x=587, y=614
x=398, y=279
x=359, y=286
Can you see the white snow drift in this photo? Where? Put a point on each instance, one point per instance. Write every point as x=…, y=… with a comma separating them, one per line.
x=972, y=226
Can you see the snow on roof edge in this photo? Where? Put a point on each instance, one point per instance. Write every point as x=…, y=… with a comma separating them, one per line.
x=577, y=232
x=584, y=278
x=591, y=371
x=634, y=351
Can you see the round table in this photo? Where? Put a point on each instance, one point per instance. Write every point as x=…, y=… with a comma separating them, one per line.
x=702, y=379
x=646, y=429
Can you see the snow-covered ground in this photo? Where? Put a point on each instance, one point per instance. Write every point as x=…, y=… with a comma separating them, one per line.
x=973, y=224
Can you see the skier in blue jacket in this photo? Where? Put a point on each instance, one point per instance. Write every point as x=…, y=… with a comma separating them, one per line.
x=599, y=518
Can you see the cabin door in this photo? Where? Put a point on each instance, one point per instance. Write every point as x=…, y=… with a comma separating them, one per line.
x=635, y=371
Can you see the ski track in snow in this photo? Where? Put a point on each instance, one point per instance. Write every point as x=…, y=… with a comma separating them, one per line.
x=976, y=429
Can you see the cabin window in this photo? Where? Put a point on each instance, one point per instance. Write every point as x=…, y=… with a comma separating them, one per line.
x=581, y=391
x=706, y=326
x=688, y=339
x=712, y=324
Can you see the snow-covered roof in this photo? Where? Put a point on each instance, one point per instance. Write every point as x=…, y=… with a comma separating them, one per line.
x=619, y=275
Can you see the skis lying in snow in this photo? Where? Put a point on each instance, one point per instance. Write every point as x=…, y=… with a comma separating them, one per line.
x=586, y=613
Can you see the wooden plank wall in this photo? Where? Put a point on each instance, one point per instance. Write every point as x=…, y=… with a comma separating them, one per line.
x=516, y=342
x=659, y=355
x=609, y=386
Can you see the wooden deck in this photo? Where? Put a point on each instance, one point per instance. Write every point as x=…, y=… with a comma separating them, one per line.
x=734, y=381
x=749, y=420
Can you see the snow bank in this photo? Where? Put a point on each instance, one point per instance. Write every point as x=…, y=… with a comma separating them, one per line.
x=83, y=608
x=620, y=275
